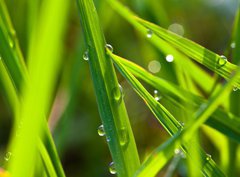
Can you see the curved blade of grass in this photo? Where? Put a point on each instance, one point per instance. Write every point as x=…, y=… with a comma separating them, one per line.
x=109, y=98
x=234, y=97
x=226, y=123
x=43, y=57
x=166, y=48
x=168, y=121
x=211, y=60
x=199, y=118
x=9, y=48
x=46, y=160
x=12, y=84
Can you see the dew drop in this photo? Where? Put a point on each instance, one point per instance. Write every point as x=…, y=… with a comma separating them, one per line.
x=124, y=136
x=156, y=95
x=86, y=55
x=108, y=139
x=12, y=38
x=101, y=131
x=118, y=93
x=208, y=157
x=233, y=45
x=112, y=168
x=169, y=58
x=222, y=60
x=149, y=33
x=177, y=151
x=8, y=155
x=109, y=47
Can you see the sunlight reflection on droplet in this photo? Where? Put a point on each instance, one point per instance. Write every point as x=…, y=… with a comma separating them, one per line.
x=169, y=58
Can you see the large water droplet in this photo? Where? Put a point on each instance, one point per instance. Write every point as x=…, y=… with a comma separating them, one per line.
x=124, y=136
x=109, y=47
x=112, y=168
x=86, y=55
x=149, y=33
x=208, y=157
x=8, y=155
x=156, y=95
x=101, y=131
x=222, y=60
x=118, y=93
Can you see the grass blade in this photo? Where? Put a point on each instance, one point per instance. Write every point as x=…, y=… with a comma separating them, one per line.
x=44, y=56
x=226, y=123
x=167, y=119
x=109, y=97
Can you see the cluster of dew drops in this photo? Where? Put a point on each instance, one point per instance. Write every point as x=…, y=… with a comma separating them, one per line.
x=221, y=61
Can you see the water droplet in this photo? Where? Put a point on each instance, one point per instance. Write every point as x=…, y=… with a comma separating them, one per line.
x=108, y=139
x=233, y=45
x=222, y=60
x=8, y=155
x=12, y=38
x=149, y=33
x=101, y=131
x=112, y=168
x=176, y=28
x=208, y=157
x=156, y=95
x=177, y=151
x=235, y=88
x=154, y=66
x=124, y=136
x=86, y=55
x=109, y=47
x=169, y=58
x=118, y=93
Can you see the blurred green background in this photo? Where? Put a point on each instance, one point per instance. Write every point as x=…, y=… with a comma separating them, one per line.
x=74, y=117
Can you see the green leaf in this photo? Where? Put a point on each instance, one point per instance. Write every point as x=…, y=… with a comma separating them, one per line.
x=227, y=123
x=109, y=97
x=171, y=124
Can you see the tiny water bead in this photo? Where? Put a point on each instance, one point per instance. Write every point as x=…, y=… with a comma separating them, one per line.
x=154, y=66
x=109, y=47
x=156, y=95
x=177, y=151
x=208, y=157
x=149, y=33
x=101, y=131
x=112, y=168
x=169, y=58
x=221, y=61
x=86, y=55
x=12, y=38
x=8, y=155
